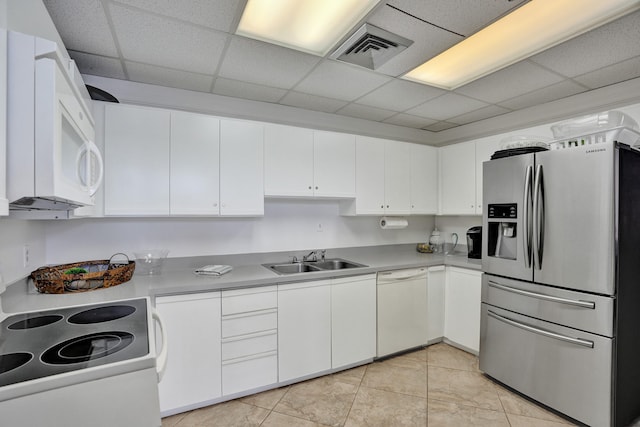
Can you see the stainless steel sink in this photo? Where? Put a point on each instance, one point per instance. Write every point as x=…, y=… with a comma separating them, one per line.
x=311, y=266
x=336, y=264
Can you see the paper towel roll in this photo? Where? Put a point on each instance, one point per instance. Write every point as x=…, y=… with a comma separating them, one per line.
x=393, y=223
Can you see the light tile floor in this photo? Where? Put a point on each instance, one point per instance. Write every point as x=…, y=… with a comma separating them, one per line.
x=436, y=386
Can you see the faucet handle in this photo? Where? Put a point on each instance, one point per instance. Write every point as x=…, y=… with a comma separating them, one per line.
x=322, y=254
x=294, y=259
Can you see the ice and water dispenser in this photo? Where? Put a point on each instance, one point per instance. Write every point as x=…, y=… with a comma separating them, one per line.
x=502, y=230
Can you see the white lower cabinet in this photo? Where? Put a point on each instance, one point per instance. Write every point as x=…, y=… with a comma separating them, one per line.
x=462, y=307
x=435, y=303
x=249, y=339
x=353, y=320
x=193, y=376
x=304, y=329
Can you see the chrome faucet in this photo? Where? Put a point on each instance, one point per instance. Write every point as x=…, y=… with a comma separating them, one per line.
x=314, y=253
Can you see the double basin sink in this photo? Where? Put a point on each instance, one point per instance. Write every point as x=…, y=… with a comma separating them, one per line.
x=311, y=266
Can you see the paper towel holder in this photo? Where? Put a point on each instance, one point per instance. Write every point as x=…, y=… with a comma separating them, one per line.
x=393, y=223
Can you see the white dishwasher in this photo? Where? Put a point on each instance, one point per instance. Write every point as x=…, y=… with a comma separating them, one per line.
x=402, y=310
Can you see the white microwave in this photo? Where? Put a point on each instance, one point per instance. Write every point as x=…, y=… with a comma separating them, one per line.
x=52, y=160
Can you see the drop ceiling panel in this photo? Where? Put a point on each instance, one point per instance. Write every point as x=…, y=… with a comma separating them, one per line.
x=461, y=16
x=166, y=42
x=609, y=44
x=83, y=26
x=154, y=75
x=428, y=41
x=447, y=106
x=366, y=112
x=336, y=80
x=239, y=89
x=265, y=64
x=216, y=14
x=509, y=82
x=312, y=102
x=550, y=93
x=410, y=121
x=399, y=95
x=480, y=114
x=619, y=72
x=98, y=65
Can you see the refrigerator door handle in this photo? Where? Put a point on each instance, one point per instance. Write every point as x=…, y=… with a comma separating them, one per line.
x=526, y=218
x=538, y=218
x=577, y=303
x=543, y=332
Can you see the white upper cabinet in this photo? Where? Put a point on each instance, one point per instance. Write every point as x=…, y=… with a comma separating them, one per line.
x=137, y=151
x=397, y=178
x=334, y=164
x=424, y=180
x=484, y=151
x=241, y=168
x=305, y=163
x=4, y=202
x=458, y=179
x=288, y=161
x=195, y=164
x=369, y=178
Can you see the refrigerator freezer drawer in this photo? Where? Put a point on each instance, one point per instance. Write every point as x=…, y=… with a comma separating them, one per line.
x=586, y=312
x=565, y=369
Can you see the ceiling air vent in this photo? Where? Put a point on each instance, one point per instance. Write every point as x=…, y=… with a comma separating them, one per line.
x=370, y=47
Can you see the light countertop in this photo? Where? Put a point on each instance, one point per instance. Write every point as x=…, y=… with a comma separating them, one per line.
x=178, y=278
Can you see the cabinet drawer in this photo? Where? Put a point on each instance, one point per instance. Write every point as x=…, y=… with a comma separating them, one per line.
x=245, y=300
x=248, y=323
x=249, y=373
x=247, y=345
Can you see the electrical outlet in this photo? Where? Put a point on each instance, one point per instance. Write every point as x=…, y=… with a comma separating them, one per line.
x=25, y=256
x=319, y=229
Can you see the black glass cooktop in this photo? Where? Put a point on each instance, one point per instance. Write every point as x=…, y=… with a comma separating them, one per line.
x=44, y=343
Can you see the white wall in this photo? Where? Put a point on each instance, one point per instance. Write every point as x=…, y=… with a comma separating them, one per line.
x=286, y=226
x=14, y=235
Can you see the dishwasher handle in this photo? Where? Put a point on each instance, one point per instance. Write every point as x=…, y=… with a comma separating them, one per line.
x=401, y=275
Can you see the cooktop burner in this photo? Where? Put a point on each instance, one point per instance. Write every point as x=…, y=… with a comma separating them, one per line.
x=35, y=322
x=11, y=361
x=40, y=344
x=102, y=314
x=88, y=347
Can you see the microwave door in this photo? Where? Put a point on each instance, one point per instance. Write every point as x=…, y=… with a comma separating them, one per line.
x=507, y=226
x=573, y=243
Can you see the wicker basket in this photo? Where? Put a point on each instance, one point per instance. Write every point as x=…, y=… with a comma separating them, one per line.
x=83, y=276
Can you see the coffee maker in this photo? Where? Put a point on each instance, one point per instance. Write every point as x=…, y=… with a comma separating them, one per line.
x=474, y=242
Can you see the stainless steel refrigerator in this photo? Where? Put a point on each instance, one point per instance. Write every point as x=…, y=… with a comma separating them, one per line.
x=561, y=290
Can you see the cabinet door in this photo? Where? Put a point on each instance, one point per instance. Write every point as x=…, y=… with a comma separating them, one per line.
x=353, y=320
x=435, y=303
x=304, y=329
x=458, y=179
x=462, y=307
x=424, y=180
x=484, y=151
x=397, y=178
x=369, y=176
x=136, y=178
x=241, y=168
x=193, y=374
x=4, y=202
x=334, y=164
x=195, y=164
x=288, y=161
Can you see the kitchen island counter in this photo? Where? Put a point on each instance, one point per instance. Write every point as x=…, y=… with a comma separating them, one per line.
x=178, y=275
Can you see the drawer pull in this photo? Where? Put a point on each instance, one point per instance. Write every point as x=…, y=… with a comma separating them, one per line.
x=577, y=303
x=249, y=358
x=543, y=332
x=249, y=336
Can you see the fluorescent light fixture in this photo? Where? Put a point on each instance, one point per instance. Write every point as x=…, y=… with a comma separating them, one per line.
x=530, y=29
x=312, y=26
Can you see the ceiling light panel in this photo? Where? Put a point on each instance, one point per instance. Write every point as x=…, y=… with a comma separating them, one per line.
x=530, y=29
x=312, y=26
